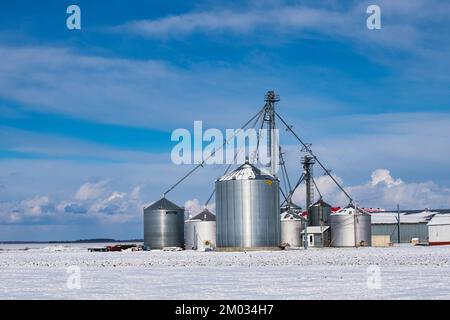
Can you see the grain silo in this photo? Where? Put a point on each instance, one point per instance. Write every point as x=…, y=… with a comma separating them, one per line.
x=350, y=227
x=163, y=225
x=200, y=231
x=292, y=225
x=319, y=213
x=247, y=204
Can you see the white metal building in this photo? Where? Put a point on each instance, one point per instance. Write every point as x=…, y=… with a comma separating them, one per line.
x=439, y=230
x=318, y=236
x=412, y=225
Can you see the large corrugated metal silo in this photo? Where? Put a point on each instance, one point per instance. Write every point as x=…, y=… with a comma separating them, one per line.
x=200, y=231
x=319, y=213
x=247, y=205
x=350, y=227
x=163, y=225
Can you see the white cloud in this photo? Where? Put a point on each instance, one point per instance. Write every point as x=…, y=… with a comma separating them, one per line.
x=99, y=201
x=34, y=209
x=36, y=206
x=110, y=206
x=190, y=22
x=136, y=193
x=413, y=145
x=383, y=191
x=194, y=207
x=384, y=176
x=402, y=21
x=92, y=201
x=422, y=50
x=281, y=19
x=143, y=93
x=91, y=190
x=58, y=80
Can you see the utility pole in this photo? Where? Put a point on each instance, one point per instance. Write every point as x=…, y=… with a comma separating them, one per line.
x=269, y=116
x=355, y=222
x=398, y=223
x=305, y=234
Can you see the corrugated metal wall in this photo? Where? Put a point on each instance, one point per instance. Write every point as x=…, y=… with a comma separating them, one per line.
x=407, y=231
x=248, y=213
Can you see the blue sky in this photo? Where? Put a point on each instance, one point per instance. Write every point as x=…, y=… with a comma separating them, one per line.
x=86, y=115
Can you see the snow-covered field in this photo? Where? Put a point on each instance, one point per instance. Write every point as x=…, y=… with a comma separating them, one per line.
x=401, y=272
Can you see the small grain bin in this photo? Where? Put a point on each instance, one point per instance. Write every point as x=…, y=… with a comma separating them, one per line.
x=200, y=231
x=350, y=227
x=319, y=213
x=247, y=204
x=292, y=226
x=163, y=225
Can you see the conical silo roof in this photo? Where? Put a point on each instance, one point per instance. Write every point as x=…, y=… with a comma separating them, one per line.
x=350, y=209
x=247, y=171
x=290, y=216
x=321, y=203
x=292, y=207
x=205, y=215
x=163, y=204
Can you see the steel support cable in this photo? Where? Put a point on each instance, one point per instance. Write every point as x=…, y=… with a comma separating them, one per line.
x=300, y=180
x=229, y=166
x=287, y=176
x=210, y=197
x=284, y=196
x=255, y=157
x=212, y=154
x=285, y=173
x=317, y=188
x=308, y=149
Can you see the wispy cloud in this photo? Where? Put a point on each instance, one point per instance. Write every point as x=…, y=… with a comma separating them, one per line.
x=411, y=40
x=53, y=146
x=144, y=93
x=280, y=19
x=402, y=27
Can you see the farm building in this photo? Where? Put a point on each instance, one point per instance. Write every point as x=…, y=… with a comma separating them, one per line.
x=439, y=230
x=412, y=225
x=318, y=236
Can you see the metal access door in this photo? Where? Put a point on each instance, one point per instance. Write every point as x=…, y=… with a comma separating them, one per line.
x=311, y=240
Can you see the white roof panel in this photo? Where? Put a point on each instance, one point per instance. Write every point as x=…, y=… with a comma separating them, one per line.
x=246, y=171
x=440, y=219
x=316, y=229
x=391, y=217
